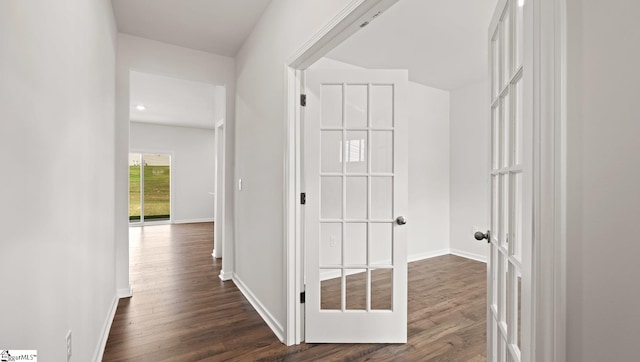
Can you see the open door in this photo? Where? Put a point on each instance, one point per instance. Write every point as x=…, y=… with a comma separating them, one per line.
x=355, y=178
x=509, y=268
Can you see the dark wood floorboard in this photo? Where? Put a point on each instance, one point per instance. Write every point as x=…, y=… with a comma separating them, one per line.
x=181, y=311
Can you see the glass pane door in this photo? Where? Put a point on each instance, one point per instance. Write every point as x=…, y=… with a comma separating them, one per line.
x=135, y=162
x=157, y=187
x=149, y=187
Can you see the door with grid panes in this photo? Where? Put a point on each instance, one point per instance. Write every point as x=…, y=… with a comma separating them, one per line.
x=355, y=179
x=509, y=267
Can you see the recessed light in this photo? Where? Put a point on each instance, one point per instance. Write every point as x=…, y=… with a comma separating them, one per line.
x=140, y=107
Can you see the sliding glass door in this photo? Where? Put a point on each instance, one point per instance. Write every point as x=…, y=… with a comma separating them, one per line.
x=149, y=187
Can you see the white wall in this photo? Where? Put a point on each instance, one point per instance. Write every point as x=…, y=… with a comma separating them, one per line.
x=428, y=226
x=603, y=180
x=469, y=169
x=192, y=166
x=260, y=120
x=57, y=273
x=159, y=58
x=428, y=219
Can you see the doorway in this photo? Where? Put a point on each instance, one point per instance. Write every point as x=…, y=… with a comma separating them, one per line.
x=348, y=23
x=149, y=188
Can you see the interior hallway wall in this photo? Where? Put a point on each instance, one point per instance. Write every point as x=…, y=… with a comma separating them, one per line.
x=260, y=125
x=192, y=166
x=154, y=57
x=57, y=272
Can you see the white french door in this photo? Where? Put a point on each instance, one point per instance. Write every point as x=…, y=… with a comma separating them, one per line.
x=355, y=177
x=509, y=269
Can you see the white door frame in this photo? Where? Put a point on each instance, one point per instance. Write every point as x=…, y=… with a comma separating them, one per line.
x=549, y=199
x=219, y=190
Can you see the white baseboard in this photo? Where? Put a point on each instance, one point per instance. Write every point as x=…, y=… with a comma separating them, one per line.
x=192, y=221
x=215, y=254
x=429, y=255
x=224, y=276
x=125, y=292
x=472, y=256
x=97, y=355
x=264, y=313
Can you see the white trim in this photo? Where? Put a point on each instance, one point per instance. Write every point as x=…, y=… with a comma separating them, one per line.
x=193, y=221
x=225, y=276
x=467, y=255
x=261, y=309
x=220, y=243
x=423, y=256
x=549, y=254
x=106, y=328
x=125, y=292
x=343, y=25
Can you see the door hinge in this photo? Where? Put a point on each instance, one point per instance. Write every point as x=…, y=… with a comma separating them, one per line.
x=303, y=198
x=303, y=296
x=303, y=100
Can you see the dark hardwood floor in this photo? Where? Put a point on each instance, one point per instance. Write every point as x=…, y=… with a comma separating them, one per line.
x=181, y=311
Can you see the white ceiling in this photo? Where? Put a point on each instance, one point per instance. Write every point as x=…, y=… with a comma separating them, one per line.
x=171, y=101
x=443, y=43
x=216, y=26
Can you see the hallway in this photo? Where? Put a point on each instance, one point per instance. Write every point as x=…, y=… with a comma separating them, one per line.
x=182, y=311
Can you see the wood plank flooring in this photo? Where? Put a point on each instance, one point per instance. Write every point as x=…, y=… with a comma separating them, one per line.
x=181, y=311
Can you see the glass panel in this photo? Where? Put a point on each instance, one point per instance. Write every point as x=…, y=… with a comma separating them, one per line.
x=157, y=187
x=331, y=289
x=331, y=108
x=502, y=288
x=495, y=139
x=381, y=288
x=134, y=186
x=381, y=244
x=495, y=59
x=495, y=337
x=518, y=118
x=495, y=269
x=357, y=99
x=356, y=288
x=506, y=50
x=505, y=136
x=382, y=106
x=495, y=205
x=514, y=304
x=356, y=198
x=330, y=244
x=519, y=308
x=381, y=198
x=504, y=210
x=355, y=244
x=356, y=151
x=519, y=35
x=382, y=151
x=331, y=151
x=502, y=349
x=516, y=214
x=331, y=197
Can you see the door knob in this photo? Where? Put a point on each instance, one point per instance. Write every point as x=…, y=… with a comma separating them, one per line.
x=401, y=220
x=479, y=235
